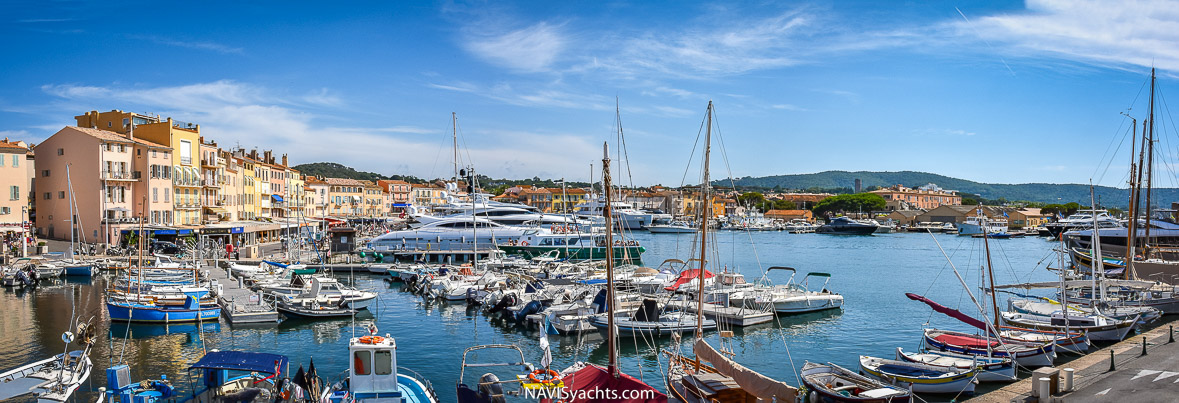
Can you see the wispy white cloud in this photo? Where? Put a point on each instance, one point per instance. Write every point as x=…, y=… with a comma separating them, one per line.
x=944, y=132
x=198, y=45
x=1141, y=33
x=788, y=107
x=530, y=49
x=543, y=97
x=16, y=135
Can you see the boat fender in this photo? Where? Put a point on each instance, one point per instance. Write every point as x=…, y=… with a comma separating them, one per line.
x=551, y=376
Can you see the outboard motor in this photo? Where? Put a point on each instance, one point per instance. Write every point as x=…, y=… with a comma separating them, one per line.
x=506, y=301
x=490, y=390
x=472, y=296
x=600, y=302
x=531, y=308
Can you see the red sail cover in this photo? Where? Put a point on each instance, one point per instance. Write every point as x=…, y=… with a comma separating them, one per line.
x=953, y=313
x=595, y=384
x=687, y=276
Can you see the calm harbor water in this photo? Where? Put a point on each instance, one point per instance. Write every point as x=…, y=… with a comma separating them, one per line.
x=872, y=272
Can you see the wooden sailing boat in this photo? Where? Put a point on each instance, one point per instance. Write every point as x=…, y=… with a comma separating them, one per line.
x=692, y=380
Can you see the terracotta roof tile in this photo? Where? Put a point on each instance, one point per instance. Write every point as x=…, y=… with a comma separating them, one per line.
x=100, y=134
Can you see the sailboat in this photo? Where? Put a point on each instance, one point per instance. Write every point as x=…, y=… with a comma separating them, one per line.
x=693, y=379
x=56, y=378
x=583, y=381
x=72, y=266
x=144, y=308
x=991, y=343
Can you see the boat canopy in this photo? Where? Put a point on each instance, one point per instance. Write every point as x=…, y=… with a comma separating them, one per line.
x=243, y=361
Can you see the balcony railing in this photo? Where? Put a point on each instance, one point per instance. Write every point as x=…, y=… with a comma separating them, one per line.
x=186, y=160
x=107, y=174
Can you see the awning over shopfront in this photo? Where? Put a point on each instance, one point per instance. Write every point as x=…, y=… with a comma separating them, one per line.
x=218, y=210
x=276, y=198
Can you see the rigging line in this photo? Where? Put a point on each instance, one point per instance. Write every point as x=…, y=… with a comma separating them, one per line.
x=622, y=144
x=1112, y=156
x=732, y=184
x=943, y=269
x=1163, y=99
x=692, y=156
x=438, y=155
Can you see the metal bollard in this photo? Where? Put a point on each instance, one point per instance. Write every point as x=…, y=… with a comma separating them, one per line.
x=1068, y=380
x=1171, y=335
x=1112, y=367
x=1045, y=397
x=1143, y=345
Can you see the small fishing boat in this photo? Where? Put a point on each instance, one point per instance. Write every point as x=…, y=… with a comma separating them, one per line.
x=991, y=369
x=191, y=311
x=373, y=375
x=1024, y=354
x=238, y=376
x=832, y=383
x=1098, y=327
x=920, y=377
x=53, y=379
x=313, y=308
x=489, y=388
x=649, y=321
x=119, y=387
x=1076, y=342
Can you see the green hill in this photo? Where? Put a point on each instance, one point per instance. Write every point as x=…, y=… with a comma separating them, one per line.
x=1036, y=192
x=335, y=170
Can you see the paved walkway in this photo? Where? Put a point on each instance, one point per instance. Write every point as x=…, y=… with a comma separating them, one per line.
x=1137, y=378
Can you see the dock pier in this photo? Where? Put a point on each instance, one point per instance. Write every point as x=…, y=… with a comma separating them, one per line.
x=1140, y=368
x=238, y=304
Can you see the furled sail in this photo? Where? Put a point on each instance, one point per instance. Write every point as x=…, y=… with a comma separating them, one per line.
x=951, y=312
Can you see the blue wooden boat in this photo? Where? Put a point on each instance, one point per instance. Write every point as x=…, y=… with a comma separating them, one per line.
x=120, y=388
x=239, y=376
x=77, y=269
x=191, y=311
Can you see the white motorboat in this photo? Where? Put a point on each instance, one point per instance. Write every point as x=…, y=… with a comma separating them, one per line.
x=675, y=227
x=981, y=224
x=625, y=216
x=789, y=298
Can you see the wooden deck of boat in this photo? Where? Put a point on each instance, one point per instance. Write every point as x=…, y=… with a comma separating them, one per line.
x=726, y=314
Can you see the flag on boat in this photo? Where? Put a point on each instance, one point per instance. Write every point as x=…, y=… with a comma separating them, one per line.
x=548, y=355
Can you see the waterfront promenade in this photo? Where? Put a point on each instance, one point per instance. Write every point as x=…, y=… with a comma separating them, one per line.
x=1149, y=378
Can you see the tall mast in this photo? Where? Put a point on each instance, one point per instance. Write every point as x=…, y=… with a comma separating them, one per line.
x=612, y=365
x=1096, y=264
x=990, y=269
x=454, y=136
x=70, y=186
x=1149, y=167
x=704, y=188
x=1131, y=228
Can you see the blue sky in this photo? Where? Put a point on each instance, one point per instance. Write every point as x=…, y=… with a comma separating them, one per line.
x=1007, y=92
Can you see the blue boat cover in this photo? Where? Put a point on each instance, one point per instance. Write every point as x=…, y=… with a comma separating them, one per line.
x=275, y=264
x=242, y=360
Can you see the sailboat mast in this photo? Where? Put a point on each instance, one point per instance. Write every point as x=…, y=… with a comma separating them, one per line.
x=454, y=137
x=704, y=190
x=1097, y=263
x=990, y=269
x=1131, y=228
x=1149, y=167
x=612, y=365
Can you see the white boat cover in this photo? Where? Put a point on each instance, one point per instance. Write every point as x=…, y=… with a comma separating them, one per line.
x=756, y=384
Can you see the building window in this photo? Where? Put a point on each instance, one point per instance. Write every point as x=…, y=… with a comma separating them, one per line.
x=15, y=160
x=153, y=153
x=61, y=151
x=15, y=193
x=47, y=196
x=45, y=173
x=61, y=194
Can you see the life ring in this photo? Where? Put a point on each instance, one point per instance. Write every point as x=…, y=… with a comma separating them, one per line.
x=523, y=243
x=551, y=373
x=371, y=339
